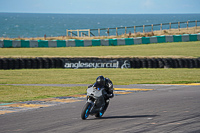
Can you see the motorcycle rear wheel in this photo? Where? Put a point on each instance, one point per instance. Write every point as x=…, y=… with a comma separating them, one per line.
x=85, y=112
x=100, y=114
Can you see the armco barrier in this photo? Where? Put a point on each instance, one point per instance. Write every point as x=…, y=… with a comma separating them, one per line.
x=77, y=63
x=98, y=42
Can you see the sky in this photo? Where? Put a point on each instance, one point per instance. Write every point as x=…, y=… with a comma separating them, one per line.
x=101, y=6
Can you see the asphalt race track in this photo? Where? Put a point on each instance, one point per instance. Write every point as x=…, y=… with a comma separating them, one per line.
x=166, y=109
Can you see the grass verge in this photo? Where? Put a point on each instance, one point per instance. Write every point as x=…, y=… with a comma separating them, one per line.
x=82, y=76
x=25, y=93
x=88, y=76
x=178, y=49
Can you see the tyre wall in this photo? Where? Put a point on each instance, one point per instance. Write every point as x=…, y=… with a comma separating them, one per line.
x=77, y=63
x=97, y=42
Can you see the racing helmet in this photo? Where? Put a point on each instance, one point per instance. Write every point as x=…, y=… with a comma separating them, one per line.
x=100, y=81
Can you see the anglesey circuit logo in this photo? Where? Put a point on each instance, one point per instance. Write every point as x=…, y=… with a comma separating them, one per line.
x=98, y=64
x=79, y=64
x=126, y=64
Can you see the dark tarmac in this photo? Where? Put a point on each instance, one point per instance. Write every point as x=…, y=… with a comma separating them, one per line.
x=166, y=109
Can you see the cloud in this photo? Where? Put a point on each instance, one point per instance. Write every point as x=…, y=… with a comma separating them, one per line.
x=148, y=4
x=187, y=6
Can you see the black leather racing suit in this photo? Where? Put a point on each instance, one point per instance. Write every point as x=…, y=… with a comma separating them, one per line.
x=108, y=87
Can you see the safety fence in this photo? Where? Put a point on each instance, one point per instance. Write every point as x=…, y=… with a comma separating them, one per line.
x=78, y=63
x=132, y=29
x=98, y=42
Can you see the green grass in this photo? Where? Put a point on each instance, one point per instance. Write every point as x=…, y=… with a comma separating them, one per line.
x=88, y=76
x=179, y=49
x=82, y=76
x=26, y=93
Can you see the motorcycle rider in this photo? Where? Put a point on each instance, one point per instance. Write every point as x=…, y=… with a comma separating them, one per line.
x=98, y=104
x=104, y=82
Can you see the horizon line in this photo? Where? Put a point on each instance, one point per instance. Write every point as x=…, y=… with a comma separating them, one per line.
x=101, y=13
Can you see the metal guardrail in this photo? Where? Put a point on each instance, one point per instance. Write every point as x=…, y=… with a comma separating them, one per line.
x=89, y=32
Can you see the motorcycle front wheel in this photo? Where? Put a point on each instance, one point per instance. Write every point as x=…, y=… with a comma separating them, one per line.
x=85, y=112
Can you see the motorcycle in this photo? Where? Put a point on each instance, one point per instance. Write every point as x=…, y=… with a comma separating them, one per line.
x=96, y=103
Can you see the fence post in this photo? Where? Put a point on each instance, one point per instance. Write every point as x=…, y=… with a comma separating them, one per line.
x=187, y=25
x=152, y=28
x=143, y=28
x=78, y=33
x=134, y=29
x=125, y=30
x=196, y=23
x=170, y=26
x=99, y=32
x=89, y=32
x=108, y=31
x=161, y=27
x=116, y=32
x=179, y=26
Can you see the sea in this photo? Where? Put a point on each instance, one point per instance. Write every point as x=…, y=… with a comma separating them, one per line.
x=14, y=25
